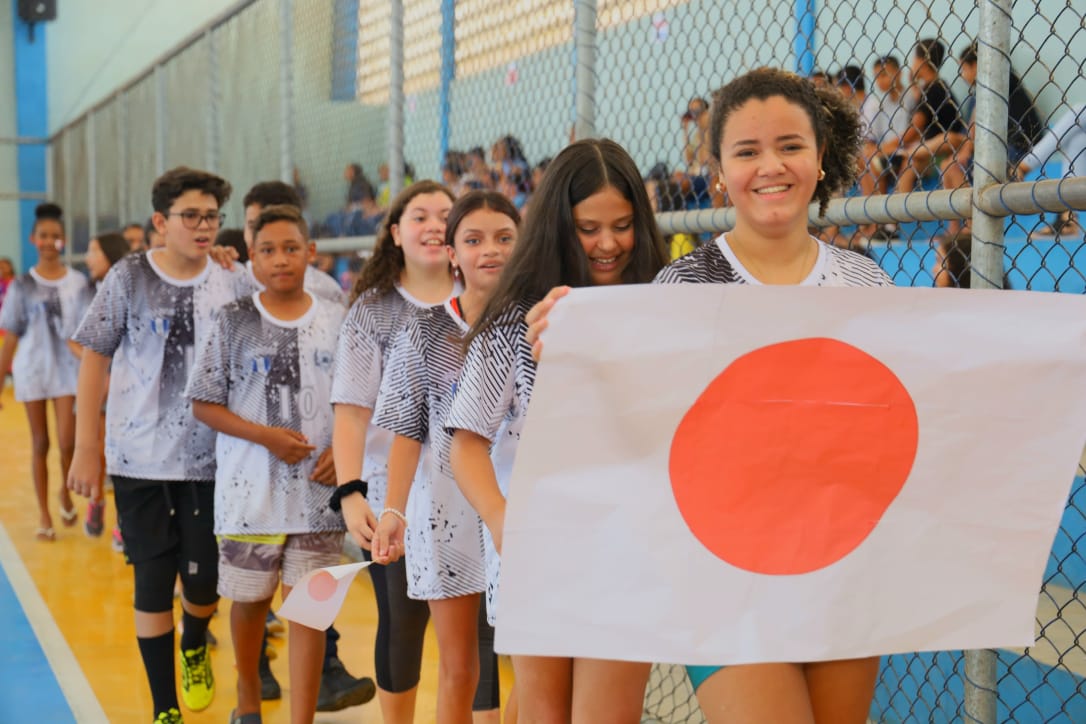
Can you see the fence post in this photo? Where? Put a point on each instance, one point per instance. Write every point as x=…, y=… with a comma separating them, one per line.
x=160, y=121
x=990, y=143
x=989, y=167
x=92, y=178
x=66, y=154
x=395, y=98
x=214, y=145
x=122, y=157
x=286, y=86
x=584, y=45
x=448, y=72
x=804, y=45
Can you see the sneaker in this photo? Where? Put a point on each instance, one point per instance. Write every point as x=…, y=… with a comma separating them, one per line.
x=170, y=716
x=117, y=543
x=273, y=625
x=340, y=690
x=269, y=686
x=236, y=718
x=197, y=679
x=92, y=526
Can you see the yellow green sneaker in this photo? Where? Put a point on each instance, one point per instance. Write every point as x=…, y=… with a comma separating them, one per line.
x=197, y=680
x=170, y=716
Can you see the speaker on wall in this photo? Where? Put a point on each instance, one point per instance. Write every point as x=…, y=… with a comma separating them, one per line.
x=36, y=11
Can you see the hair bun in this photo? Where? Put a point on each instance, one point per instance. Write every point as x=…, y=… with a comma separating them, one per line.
x=48, y=210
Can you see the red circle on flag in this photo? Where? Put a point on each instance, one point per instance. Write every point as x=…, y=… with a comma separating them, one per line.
x=791, y=456
x=322, y=586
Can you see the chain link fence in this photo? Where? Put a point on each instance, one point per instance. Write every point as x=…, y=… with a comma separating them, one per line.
x=349, y=99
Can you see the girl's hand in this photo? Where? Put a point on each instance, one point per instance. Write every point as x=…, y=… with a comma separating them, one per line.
x=360, y=520
x=495, y=523
x=224, y=256
x=388, y=540
x=537, y=319
x=85, y=473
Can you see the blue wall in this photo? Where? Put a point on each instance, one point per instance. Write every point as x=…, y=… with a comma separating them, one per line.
x=32, y=120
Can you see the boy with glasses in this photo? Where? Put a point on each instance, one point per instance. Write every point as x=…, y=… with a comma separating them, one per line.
x=150, y=314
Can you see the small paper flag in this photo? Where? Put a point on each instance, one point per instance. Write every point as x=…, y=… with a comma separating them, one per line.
x=316, y=599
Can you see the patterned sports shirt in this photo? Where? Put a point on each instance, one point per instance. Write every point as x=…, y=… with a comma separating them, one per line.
x=43, y=314
x=274, y=373
x=151, y=325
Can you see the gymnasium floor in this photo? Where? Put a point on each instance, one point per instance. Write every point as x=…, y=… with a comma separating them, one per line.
x=68, y=648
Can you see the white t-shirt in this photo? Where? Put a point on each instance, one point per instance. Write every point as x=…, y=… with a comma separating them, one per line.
x=371, y=325
x=716, y=263
x=444, y=539
x=491, y=400
x=316, y=282
x=43, y=313
x=274, y=373
x=151, y=325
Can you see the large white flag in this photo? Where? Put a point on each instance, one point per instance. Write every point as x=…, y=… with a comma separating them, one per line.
x=728, y=474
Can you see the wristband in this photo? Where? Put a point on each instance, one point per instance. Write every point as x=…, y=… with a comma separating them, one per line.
x=394, y=512
x=348, y=488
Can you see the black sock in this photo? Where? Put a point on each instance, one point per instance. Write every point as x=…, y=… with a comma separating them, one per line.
x=194, y=633
x=158, y=660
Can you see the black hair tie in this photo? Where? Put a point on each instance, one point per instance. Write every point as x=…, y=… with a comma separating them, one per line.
x=349, y=488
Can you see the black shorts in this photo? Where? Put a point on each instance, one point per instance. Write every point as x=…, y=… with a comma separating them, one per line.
x=175, y=518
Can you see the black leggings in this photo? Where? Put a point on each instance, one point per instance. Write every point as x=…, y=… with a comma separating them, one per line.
x=401, y=630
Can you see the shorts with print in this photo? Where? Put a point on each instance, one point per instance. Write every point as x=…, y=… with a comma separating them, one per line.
x=250, y=566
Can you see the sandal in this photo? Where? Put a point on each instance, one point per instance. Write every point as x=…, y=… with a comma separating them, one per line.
x=68, y=516
x=45, y=534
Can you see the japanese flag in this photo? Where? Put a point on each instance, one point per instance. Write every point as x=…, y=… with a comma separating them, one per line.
x=729, y=474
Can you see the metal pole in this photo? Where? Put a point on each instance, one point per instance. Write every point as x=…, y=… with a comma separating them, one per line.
x=989, y=167
x=286, y=84
x=122, y=158
x=92, y=178
x=448, y=72
x=395, y=98
x=214, y=145
x=804, y=44
x=990, y=153
x=66, y=153
x=584, y=45
x=160, y=121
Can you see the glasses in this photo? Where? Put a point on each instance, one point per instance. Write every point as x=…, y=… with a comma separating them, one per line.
x=191, y=219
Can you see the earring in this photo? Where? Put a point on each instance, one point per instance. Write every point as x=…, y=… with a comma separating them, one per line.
x=719, y=187
x=821, y=174
x=456, y=271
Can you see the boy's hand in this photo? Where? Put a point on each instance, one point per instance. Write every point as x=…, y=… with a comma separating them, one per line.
x=360, y=520
x=224, y=256
x=289, y=446
x=324, y=472
x=388, y=540
x=85, y=473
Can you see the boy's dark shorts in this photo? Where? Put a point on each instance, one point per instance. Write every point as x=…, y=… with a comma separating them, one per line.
x=175, y=518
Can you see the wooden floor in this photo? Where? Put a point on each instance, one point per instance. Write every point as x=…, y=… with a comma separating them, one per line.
x=87, y=591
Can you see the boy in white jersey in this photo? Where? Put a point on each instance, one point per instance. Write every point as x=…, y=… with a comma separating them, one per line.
x=263, y=380
x=339, y=689
x=150, y=314
x=275, y=193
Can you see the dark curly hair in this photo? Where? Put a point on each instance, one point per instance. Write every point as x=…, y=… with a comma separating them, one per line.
x=170, y=185
x=836, y=123
x=48, y=211
x=383, y=269
x=548, y=253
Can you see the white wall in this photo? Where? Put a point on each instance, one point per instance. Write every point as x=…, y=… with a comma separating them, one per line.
x=9, y=177
x=95, y=46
